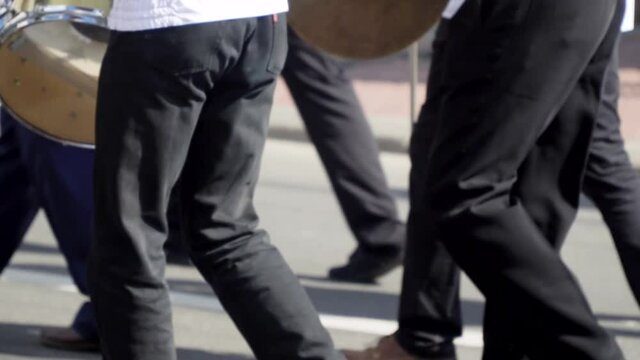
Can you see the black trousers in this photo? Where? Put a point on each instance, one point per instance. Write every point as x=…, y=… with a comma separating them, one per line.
x=338, y=128
x=191, y=102
x=341, y=134
x=613, y=184
x=497, y=161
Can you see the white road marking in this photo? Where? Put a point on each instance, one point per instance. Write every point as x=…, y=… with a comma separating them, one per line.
x=472, y=334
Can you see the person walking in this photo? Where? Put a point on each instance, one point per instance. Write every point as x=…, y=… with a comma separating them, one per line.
x=185, y=91
x=38, y=173
x=337, y=127
x=498, y=156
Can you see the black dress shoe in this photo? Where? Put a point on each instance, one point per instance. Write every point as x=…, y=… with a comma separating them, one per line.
x=365, y=268
x=66, y=338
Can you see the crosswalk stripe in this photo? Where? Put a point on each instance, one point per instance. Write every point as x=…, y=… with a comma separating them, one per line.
x=379, y=327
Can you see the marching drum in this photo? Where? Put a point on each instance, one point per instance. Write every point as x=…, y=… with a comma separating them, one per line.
x=363, y=29
x=50, y=56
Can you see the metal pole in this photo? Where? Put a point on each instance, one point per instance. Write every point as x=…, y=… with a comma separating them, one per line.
x=414, y=64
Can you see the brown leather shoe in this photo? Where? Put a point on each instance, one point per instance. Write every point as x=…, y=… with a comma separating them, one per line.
x=66, y=338
x=387, y=349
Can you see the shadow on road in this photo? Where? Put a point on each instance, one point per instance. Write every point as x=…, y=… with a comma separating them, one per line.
x=192, y=354
x=21, y=340
x=338, y=300
x=344, y=302
x=621, y=325
x=39, y=248
x=616, y=317
x=45, y=269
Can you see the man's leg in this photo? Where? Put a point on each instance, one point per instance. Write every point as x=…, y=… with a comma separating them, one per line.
x=64, y=183
x=142, y=138
x=485, y=129
x=429, y=316
x=613, y=184
x=19, y=203
x=248, y=274
x=201, y=111
x=339, y=130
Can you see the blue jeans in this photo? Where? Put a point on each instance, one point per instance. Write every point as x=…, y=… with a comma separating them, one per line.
x=39, y=173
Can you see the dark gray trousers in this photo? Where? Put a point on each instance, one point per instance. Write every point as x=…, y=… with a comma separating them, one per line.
x=498, y=156
x=338, y=128
x=613, y=184
x=340, y=133
x=191, y=102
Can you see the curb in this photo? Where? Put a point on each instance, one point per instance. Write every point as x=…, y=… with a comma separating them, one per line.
x=287, y=125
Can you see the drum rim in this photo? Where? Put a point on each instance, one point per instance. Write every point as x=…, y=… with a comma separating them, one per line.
x=52, y=13
x=5, y=15
x=44, y=134
x=47, y=14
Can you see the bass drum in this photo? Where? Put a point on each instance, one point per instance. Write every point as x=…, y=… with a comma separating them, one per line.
x=50, y=57
x=363, y=29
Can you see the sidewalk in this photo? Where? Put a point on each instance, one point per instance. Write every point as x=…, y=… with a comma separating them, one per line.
x=384, y=91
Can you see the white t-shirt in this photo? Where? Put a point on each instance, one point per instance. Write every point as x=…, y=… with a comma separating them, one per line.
x=133, y=15
x=629, y=17
x=452, y=8
x=627, y=25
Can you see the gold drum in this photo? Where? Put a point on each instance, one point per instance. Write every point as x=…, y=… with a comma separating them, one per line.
x=363, y=29
x=50, y=57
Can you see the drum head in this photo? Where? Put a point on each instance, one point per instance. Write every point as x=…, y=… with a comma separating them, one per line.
x=48, y=77
x=363, y=29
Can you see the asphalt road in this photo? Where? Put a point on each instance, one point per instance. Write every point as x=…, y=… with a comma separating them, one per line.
x=297, y=206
